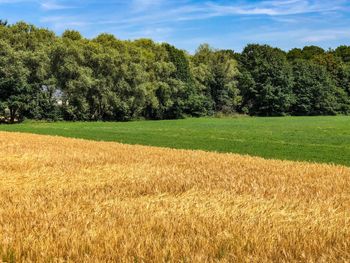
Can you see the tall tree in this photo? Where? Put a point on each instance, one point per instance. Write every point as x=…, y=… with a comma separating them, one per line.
x=15, y=93
x=316, y=92
x=44, y=76
x=266, y=81
x=216, y=73
x=343, y=52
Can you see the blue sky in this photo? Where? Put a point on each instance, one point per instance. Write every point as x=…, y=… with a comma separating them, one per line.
x=225, y=24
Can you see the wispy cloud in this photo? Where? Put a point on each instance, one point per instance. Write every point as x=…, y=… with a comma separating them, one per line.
x=224, y=23
x=166, y=11
x=53, y=5
x=14, y=1
x=64, y=22
x=277, y=8
x=150, y=12
x=44, y=4
x=144, y=5
x=325, y=35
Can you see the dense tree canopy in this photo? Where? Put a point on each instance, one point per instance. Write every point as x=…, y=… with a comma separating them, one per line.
x=47, y=77
x=266, y=81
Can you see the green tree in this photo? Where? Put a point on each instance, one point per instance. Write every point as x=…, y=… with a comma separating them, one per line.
x=295, y=53
x=15, y=93
x=265, y=81
x=72, y=35
x=315, y=90
x=181, y=84
x=343, y=52
x=310, y=52
x=72, y=77
x=49, y=77
x=216, y=74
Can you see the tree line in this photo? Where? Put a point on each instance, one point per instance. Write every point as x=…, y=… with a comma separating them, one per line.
x=48, y=77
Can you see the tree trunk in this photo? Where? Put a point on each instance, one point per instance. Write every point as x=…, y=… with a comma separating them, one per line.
x=12, y=115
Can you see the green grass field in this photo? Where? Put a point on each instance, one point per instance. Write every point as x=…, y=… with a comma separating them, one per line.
x=317, y=139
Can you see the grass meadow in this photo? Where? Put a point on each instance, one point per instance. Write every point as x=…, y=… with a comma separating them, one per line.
x=71, y=200
x=315, y=139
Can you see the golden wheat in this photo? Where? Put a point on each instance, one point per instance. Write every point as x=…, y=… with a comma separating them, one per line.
x=67, y=200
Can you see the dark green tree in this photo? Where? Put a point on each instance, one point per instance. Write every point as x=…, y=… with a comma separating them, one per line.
x=310, y=52
x=316, y=92
x=15, y=92
x=49, y=77
x=295, y=53
x=216, y=74
x=265, y=81
x=343, y=52
x=72, y=35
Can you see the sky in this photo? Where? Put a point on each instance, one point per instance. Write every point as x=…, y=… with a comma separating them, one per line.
x=224, y=24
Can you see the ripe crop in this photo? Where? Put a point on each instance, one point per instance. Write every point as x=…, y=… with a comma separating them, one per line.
x=69, y=200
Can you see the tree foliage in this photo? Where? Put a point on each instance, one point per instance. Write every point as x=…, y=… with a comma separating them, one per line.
x=69, y=77
x=266, y=81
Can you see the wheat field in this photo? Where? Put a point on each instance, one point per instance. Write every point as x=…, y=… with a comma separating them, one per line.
x=70, y=200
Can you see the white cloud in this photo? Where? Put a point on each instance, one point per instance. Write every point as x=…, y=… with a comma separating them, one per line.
x=288, y=22
x=64, y=22
x=44, y=4
x=52, y=5
x=144, y=5
x=14, y=1
x=325, y=35
x=277, y=8
x=165, y=11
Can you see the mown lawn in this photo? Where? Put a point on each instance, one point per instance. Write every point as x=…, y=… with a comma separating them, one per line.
x=317, y=139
